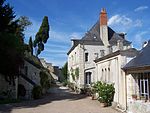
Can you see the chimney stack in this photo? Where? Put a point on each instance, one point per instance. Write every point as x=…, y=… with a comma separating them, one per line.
x=103, y=17
x=104, y=27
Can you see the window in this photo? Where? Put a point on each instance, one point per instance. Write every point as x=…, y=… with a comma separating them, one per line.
x=144, y=85
x=96, y=55
x=102, y=52
x=86, y=57
x=88, y=78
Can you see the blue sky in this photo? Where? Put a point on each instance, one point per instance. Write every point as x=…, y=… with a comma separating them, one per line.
x=73, y=18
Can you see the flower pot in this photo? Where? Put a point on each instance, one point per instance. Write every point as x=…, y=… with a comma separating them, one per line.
x=103, y=104
x=94, y=97
x=134, y=97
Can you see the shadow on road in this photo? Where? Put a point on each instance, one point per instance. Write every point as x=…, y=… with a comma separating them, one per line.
x=57, y=93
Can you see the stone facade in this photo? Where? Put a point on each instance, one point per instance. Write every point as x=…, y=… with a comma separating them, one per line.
x=99, y=41
x=100, y=56
x=109, y=70
x=31, y=77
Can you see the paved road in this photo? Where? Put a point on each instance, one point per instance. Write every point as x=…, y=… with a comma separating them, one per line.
x=59, y=100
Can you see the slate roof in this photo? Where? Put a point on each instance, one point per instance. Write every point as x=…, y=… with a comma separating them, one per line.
x=92, y=37
x=141, y=60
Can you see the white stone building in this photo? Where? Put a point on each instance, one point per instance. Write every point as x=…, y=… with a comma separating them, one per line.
x=138, y=86
x=109, y=70
x=99, y=41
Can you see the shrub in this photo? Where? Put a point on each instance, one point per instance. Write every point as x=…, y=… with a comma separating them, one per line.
x=44, y=80
x=105, y=91
x=36, y=92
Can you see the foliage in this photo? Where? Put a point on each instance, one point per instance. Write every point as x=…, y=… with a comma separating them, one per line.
x=44, y=80
x=105, y=91
x=37, y=92
x=72, y=74
x=65, y=71
x=42, y=36
x=23, y=22
x=11, y=42
x=77, y=72
x=6, y=18
x=31, y=45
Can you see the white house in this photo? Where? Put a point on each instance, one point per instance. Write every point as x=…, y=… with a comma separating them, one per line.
x=109, y=70
x=99, y=41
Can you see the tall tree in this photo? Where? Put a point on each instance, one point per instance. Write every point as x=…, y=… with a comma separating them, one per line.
x=11, y=43
x=42, y=36
x=31, y=45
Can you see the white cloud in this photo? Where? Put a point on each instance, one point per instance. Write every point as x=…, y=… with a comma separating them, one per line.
x=119, y=19
x=141, y=8
x=140, y=38
x=122, y=23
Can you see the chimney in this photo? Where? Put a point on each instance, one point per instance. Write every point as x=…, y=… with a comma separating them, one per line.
x=104, y=27
x=103, y=17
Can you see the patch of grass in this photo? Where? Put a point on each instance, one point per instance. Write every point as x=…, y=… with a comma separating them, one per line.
x=7, y=101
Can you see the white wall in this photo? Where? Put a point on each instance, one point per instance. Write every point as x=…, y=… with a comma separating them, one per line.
x=116, y=76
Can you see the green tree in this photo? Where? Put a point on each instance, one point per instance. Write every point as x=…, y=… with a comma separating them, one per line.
x=11, y=43
x=42, y=36
x=23, y=22
x=6, y=18
x=65, y=71
x=31, y=45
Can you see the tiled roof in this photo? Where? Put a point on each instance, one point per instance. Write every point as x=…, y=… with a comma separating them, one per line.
x=141, y=60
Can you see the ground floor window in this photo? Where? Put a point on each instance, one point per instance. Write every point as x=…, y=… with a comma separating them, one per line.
x=143, y=80
x=88, y=78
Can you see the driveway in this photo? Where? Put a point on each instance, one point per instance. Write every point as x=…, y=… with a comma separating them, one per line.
x=59, y=100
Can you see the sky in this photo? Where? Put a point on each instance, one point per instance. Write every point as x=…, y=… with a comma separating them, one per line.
x=73, y=18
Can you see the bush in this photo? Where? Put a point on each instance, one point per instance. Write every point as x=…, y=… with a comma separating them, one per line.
x=44, y=80
x=37, y=92
x=105, y=91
